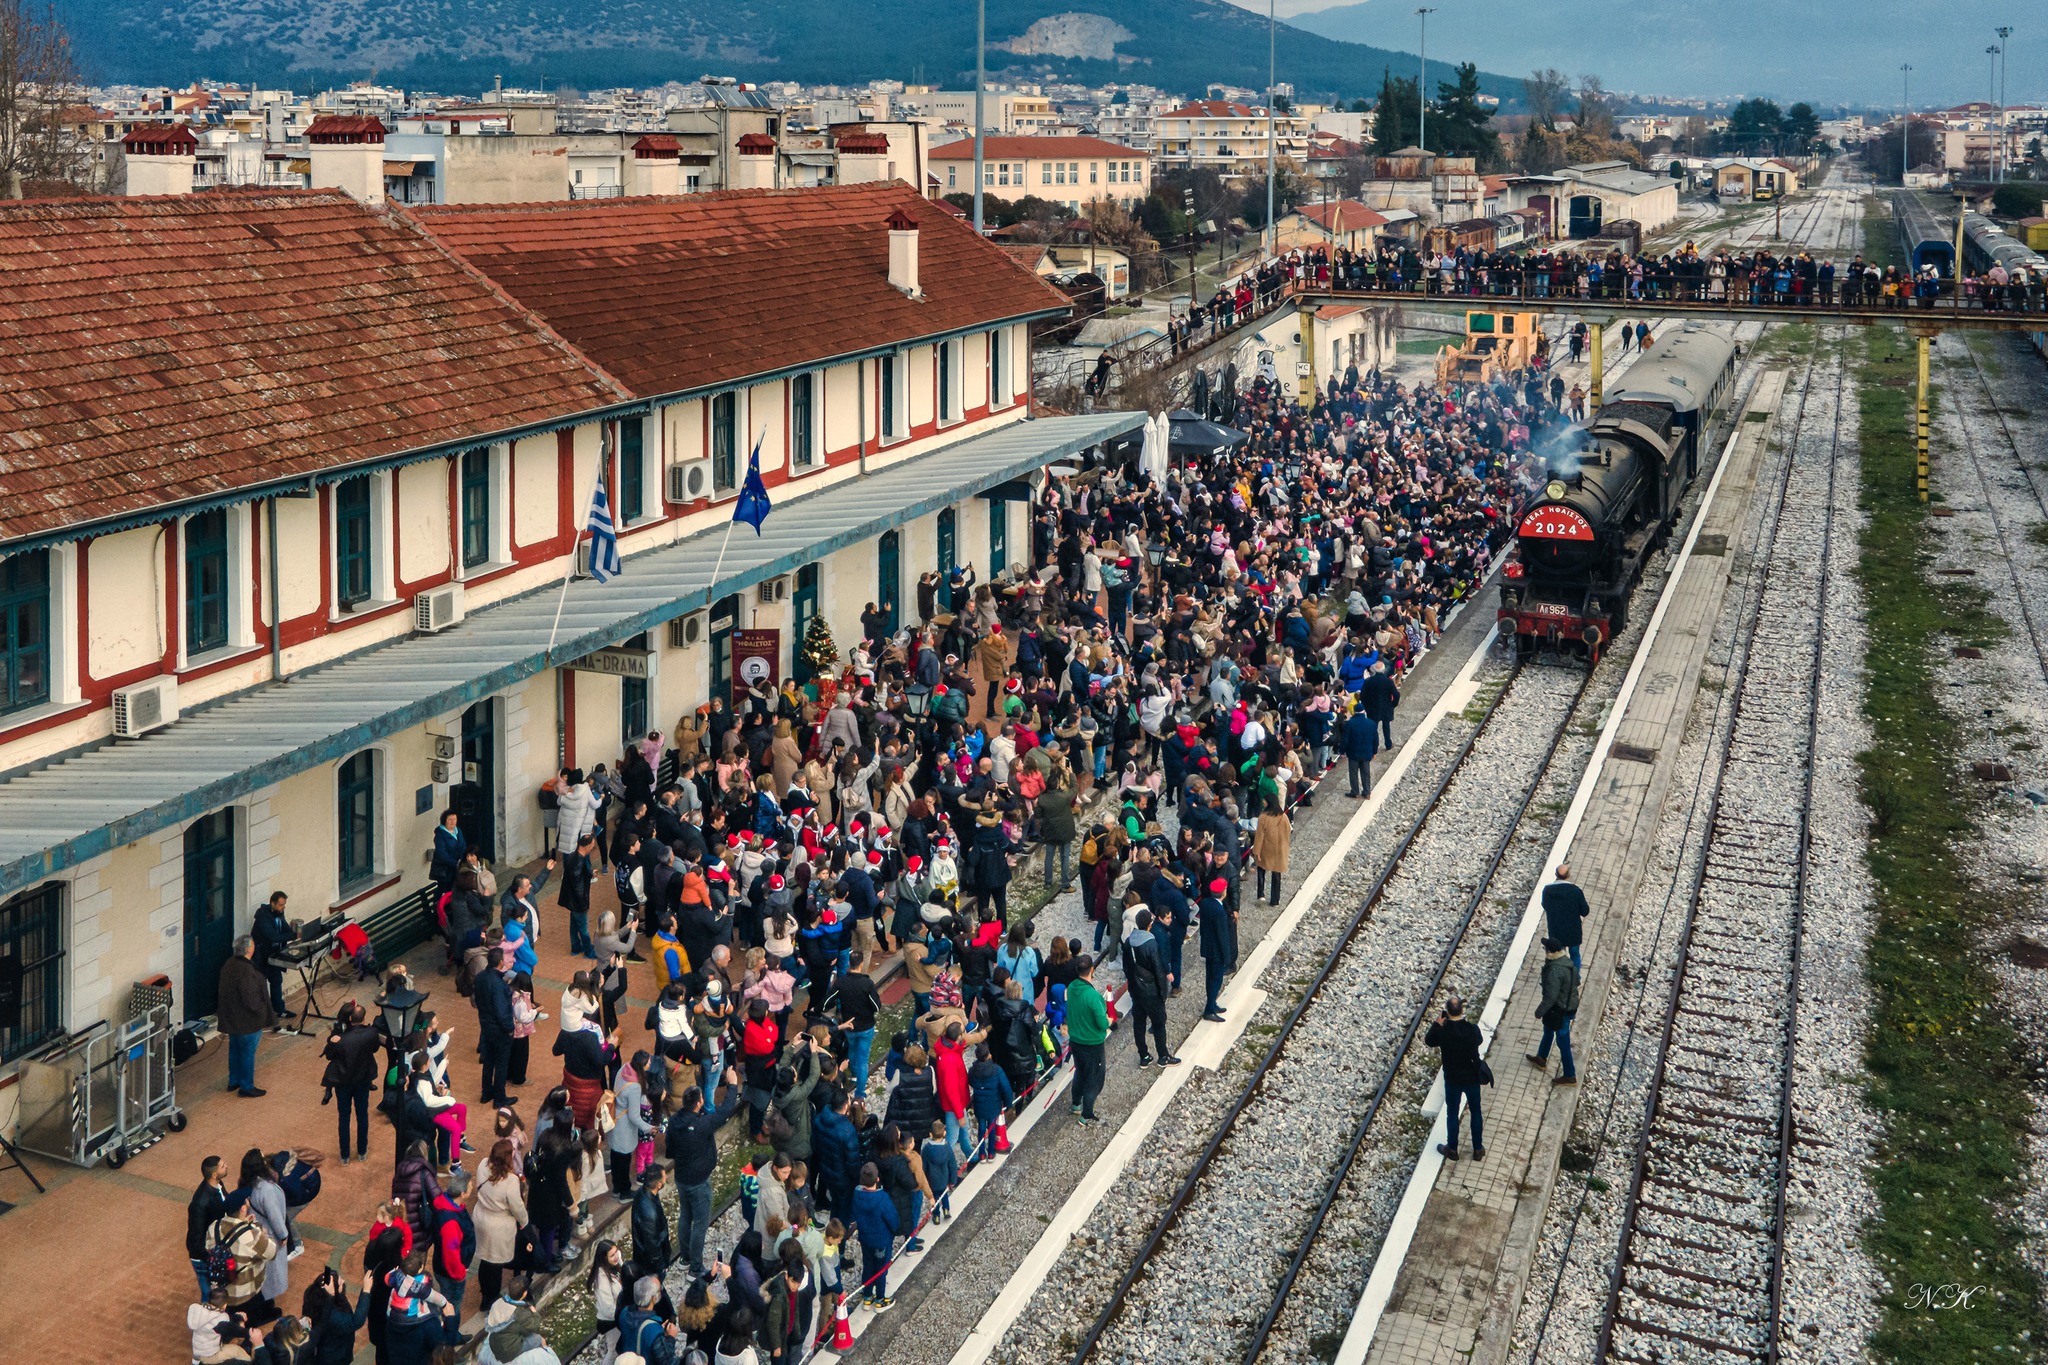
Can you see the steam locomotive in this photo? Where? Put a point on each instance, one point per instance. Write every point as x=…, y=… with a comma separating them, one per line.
x=1608, y=504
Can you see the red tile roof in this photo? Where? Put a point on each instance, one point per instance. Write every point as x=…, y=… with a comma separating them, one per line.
x=1020, y=148
x=161, y=139
x=1210, y=109
x=673, y=294
x=656, y=145
x=345, y=128
x=756, y=144
x=1342, y=215
x=158, y=350
x=871, y=144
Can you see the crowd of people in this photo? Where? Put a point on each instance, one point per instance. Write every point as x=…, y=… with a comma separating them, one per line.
x=1148, y=705
x=1604, y=272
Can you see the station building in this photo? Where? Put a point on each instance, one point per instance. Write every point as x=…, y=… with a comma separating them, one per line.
x=293, y=486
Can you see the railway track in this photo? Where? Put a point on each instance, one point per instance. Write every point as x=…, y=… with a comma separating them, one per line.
x=1699, y=1269
x=2008, y=536
x=1281, y=1089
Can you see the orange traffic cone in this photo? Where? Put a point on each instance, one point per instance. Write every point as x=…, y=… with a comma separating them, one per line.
x=842, y=1332
x=999, y=1134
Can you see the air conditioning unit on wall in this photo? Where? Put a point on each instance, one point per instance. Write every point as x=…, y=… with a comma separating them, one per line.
x=145, y=706
x=437, y=608
x=689, y=481
x=685, y=631
x=773, y=590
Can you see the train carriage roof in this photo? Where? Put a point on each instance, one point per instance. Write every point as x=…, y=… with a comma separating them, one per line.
x=1680, y=370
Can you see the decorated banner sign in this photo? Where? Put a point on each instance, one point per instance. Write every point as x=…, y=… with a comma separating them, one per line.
x=756, y=656
x=1556, y=523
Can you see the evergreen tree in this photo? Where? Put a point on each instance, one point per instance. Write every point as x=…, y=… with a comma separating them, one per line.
x=818, y=652
x=1458, y=122
x=1394, y=115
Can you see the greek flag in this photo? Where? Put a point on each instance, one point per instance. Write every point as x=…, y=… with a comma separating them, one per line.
x=753, y=506
x=604, y=541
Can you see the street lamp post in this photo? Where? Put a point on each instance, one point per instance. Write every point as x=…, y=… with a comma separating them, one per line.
x=980, y=81
x=1905, y=121
x=1272, y=81
x=1422, y=84
x=2004, y=31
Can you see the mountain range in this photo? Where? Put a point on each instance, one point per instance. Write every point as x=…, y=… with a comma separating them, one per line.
x=1823, y=51
x=456, y=46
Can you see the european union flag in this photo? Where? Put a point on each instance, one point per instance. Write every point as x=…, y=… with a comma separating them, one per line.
x=753, y=506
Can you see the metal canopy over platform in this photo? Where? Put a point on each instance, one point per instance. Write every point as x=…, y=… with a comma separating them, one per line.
x=58, y=816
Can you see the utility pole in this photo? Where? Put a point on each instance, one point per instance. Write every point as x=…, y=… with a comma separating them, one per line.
x=2004, y=32
x=1272, y=129
x=1991, y=152
x=1187, y=203
x=1905, y=122
x=980, y=81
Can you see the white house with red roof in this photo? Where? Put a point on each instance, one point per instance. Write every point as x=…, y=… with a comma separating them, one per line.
x=1074, y=171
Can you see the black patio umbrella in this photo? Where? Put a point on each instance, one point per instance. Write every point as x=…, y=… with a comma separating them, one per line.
x=1192, y=435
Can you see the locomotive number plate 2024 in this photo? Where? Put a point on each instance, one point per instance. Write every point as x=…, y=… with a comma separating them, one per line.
x=1556, y=523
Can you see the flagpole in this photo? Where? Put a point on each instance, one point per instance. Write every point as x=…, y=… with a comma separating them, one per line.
x=753, y=467
x=604, y=458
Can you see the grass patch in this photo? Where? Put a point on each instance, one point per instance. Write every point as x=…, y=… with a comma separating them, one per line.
x=1422, y=345
x=1945, y=1064
x=1880, y=234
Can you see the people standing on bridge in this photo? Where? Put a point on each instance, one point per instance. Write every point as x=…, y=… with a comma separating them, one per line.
x=1457, y=1040
x=1565, y=911
x=1559, y=1003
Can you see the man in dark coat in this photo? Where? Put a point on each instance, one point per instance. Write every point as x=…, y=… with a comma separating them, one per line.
x=1167, y=896
x=1219, y=947
x=1360, y=741
x=1379, y=697
x=1457, y=1039
x=1145, y=974
x=494, y=1030
x=244, y=1013
x=652, y=1250
x=1565, y=911
x=272, y=931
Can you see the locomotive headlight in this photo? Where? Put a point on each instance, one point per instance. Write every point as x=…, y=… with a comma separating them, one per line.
x=1555, y=490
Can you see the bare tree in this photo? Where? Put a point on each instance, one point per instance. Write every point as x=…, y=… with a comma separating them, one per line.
x=1545, y=92
x=1596, y=109
x=37, y=79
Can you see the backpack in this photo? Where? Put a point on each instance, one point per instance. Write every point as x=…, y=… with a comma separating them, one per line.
x=1091, y=847
x=465, y=977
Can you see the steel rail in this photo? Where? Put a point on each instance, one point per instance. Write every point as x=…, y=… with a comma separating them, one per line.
x=1264, y=1330
x=1120, y=1297
x=1653, y=1105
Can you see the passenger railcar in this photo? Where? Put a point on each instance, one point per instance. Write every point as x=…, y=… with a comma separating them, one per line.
x=1922, y=236
x=1580, y=549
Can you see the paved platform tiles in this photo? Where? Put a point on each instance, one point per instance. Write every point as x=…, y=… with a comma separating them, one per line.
x=1461, y=1284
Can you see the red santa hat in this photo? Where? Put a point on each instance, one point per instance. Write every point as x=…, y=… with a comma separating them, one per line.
x=874, y=859
x=1218, y=887
x=774, y=881
x=732, y=841
x=913, y=863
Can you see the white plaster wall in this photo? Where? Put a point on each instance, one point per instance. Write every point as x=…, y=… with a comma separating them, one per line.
x=535, y=499
x=423, y=521
x=124, y=601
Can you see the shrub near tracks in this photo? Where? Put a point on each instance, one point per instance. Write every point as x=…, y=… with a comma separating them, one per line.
x=1946, y=1068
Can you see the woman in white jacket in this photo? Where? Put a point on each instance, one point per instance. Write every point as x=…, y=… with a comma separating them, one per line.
x=575, y=811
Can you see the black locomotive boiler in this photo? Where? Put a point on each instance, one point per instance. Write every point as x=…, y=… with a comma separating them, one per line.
x=1580, y=548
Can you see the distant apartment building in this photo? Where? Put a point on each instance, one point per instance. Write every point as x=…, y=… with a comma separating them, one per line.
x=1074, y=171
x=1224, y=136
x=1002, y=111
x=1129, y=125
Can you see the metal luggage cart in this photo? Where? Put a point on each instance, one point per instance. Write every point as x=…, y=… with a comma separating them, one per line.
x=107, y=1092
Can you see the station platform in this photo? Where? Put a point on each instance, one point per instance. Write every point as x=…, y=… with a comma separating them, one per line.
x=1460, y=1285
